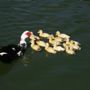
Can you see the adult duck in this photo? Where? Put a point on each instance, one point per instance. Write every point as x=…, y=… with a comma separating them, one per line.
x=13, y=51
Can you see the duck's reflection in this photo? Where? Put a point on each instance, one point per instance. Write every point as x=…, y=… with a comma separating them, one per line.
x=6, y=67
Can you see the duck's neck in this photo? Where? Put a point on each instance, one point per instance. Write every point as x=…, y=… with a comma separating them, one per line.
x=23, y=43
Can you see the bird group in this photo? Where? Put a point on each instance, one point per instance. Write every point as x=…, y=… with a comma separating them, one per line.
x=53, y=43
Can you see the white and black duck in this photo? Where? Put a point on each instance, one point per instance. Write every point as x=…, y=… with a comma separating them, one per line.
x=13, y=51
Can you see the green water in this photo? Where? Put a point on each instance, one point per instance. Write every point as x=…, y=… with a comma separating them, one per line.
x=35, y=71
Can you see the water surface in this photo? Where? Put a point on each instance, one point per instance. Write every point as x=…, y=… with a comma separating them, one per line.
x=55, y=72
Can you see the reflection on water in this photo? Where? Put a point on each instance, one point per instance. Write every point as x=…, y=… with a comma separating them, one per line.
x=55, y=72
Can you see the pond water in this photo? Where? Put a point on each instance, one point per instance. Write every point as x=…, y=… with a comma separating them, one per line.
x=36, y=70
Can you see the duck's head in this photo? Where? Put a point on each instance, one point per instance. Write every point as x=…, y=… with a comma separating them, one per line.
x=24, y=36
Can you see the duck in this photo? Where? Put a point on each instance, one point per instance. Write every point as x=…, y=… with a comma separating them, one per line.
x=49, y=49
x=40, y=43
x=34, y=37
x=35, y=46
x=69, y=50
x=75, y=42
x=58, y=39
x=11, y=52
x=42, y=34
x=63, y=36
x=75, y=45
x=58, y=48
x=52, y=40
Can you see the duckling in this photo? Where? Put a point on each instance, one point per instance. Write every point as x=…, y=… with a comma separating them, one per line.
x=64, y=36
x=71, y=52
x=34, y=46
x=75, y=42
x=33, y=37
x=68, y=49
x=44, y=35
x=58, y=48
x=49, y=49
x=58, y=39
x=53, y=41
x=73, y=45
x=40, y=43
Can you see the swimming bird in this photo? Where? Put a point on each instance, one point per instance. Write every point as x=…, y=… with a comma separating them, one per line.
x=53, y=41
x=42, y=34
x=58, y=48
x=40, y=43
x=73, y=44
x=63, y=36
x=68, y=49
x=49, y=49
x=34, y=37
x=13, y=51
x=35, y=46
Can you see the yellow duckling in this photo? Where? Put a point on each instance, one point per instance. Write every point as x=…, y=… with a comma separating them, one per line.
x=58, y=39
x=49, y=49
x=41, y=34
x=75, y=42
x=40, y=43
x=34, y=46
x=33, y=37
x=64, y=36
x=73, y=45
x=68, y=49
x=58, y=48
x=53, y=41
x=71, y=52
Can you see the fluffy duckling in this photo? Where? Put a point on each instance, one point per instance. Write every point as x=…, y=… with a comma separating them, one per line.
x=34, y=46
x=49, y=49
x=58, y=48
x=53, y=41
x=64, y=36
x=73, y=45
x=71, y=52
x=40, y=43
x=58, y=39
x=75, y=42
x=68, y=49
x=33, y=37
x=42, y=34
